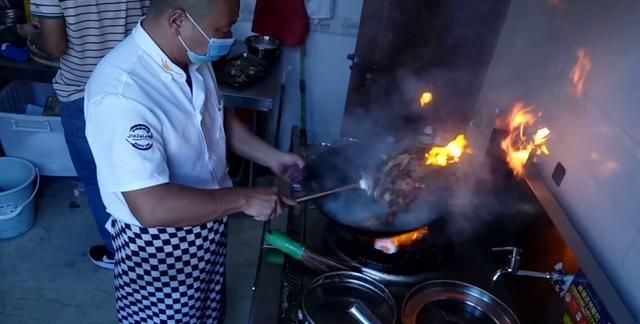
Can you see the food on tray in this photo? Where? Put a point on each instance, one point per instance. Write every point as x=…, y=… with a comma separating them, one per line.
x=242, y=70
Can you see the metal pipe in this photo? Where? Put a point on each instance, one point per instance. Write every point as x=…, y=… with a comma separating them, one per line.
x=535, y=274
x=525, y=273
x=497, y=275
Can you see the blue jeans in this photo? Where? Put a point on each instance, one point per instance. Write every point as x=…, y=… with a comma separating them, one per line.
x=73, y=123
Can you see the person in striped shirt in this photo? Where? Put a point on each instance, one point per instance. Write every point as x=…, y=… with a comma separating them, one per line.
x=80, y=33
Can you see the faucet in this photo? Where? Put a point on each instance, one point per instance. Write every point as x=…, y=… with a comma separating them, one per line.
x=559, y=277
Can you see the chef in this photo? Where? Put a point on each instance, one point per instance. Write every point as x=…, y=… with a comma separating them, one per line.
x=158, y=132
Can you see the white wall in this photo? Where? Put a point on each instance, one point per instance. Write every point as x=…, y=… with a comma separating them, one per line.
x=596, y=137
x=327, y=70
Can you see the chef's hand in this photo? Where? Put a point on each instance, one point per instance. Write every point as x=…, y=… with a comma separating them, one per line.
x=287, y=166
x=265, y=203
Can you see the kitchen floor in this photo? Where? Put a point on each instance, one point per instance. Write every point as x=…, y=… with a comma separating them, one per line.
x=46, y=276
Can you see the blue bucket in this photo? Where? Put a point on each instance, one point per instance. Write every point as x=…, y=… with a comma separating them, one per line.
x=17, y=210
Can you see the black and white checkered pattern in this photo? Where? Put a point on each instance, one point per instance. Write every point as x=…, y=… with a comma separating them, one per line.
x=170, y=275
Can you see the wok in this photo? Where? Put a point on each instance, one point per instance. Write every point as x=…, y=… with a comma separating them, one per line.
x=344, y=164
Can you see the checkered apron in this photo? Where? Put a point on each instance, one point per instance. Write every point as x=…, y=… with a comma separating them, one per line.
x=170, y=275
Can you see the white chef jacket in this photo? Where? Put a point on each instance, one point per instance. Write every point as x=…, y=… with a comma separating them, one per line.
x=146, y=127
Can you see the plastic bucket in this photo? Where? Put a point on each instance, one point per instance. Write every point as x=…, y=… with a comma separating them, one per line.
x=17, y=210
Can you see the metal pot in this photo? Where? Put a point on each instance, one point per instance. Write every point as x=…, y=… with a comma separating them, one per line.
x=263, y=47
x=445, y=301
x=346, y=297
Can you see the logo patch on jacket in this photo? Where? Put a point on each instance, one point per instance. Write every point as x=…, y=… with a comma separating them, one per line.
x=140, y=137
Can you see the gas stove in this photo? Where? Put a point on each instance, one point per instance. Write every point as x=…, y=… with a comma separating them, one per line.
x=434, y=258
x=428, y=259
x=440, y=253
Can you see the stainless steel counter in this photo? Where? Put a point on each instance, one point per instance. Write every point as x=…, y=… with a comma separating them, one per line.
x=261, y=96
x=266, y=301
x=591, y=267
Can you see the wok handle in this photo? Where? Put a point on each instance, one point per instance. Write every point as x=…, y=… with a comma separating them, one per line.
x=327, y=193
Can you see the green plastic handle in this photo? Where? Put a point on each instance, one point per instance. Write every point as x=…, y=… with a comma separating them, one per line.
x=285, y=244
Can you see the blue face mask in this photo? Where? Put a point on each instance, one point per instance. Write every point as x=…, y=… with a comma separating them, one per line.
x=217, y=48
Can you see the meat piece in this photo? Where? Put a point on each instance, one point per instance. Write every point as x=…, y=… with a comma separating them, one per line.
x=404, y=184
x=399, y=162
x=400, y=179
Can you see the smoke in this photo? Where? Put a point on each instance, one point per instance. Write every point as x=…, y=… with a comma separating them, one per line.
x=446, y=50
x=488, y=193
x=469, y=194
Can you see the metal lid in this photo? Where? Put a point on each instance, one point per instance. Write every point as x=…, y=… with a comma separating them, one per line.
x=331, y=298
x=452, y=302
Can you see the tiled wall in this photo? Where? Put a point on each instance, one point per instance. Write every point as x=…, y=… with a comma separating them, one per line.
x=597, y=136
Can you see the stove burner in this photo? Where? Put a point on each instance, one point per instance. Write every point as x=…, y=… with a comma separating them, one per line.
x=425, y=259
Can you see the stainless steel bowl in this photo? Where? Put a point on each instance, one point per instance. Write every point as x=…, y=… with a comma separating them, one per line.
x=263, y=47
x=446, y=301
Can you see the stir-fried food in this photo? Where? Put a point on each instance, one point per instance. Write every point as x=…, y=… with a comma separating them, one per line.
x=401, y=178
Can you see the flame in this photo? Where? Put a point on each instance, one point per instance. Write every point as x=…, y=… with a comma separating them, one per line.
x=518, y=145
x=391, y=245
x=444, y=155
x=580, y=70
x=426, y=98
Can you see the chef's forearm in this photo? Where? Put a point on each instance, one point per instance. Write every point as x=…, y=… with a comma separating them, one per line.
x=244, y=143
x=170, y=205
